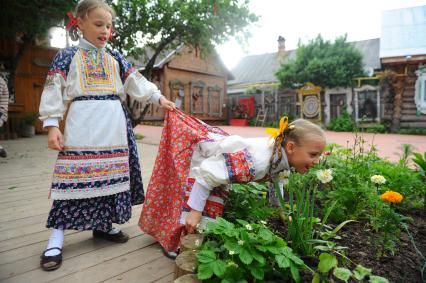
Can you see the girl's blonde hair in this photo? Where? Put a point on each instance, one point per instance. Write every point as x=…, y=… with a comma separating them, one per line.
x=83, y=9
x=297, y=131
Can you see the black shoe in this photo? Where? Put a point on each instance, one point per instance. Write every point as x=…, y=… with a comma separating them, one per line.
x=49, y=263
x=3, y=152
x=119, y=237
x=172, y=255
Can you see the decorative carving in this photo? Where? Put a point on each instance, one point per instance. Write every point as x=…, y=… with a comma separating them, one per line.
x=310, y=101
x=197, y=97
x=177, y=93
x=367, y=104
x=215, y=97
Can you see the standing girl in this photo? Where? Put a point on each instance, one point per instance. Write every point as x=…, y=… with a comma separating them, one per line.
x=97, y=176
x=196, y=161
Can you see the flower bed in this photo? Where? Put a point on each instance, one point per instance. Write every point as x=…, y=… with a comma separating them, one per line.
x=354, y=218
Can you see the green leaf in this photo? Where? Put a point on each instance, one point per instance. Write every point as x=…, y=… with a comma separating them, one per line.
x=294, y=272
x=11, y=188
x=232, y=246
x=327, y=262
x=360, y=272
x=261, y=248
x=258, y=257
x=296, y=259
x=283, y=261
x=206, y=256
x=316, y=278
x=342, y=273
x=219, y=267
x=266, y=235
x=377, y=279
x=257, y=273
x=245, y=256
x=204, y=272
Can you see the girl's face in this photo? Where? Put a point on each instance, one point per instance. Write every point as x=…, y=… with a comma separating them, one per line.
x=305, y=155
x=96, y=27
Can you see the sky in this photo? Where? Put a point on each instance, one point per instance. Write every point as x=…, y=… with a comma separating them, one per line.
x=304, y=20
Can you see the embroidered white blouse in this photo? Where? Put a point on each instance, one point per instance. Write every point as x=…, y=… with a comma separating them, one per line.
x=61, y=88
x=212, y=162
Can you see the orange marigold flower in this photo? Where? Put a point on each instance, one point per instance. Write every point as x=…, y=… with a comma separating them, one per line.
x=391, y=196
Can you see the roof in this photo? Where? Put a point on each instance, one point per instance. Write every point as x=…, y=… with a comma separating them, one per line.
x=165, y=56
x=403, y=32
x=261, y=68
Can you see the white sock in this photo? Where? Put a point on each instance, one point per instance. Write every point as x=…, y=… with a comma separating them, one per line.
x=114, y=231
x=56, y=240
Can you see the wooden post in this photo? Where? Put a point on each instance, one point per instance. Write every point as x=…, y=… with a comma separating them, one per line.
x=191, y=242
x=185, y=263
x=188, y=278
x=399, y=86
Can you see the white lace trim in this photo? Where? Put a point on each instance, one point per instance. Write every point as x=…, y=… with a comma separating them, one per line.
x=91, y=192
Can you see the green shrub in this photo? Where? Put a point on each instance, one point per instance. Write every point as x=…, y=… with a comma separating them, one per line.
x=343, y=123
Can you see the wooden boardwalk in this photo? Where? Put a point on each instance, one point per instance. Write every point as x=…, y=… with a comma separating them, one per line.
x=25, y=177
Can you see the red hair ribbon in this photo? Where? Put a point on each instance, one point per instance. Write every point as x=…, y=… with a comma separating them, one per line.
x=73, y=21
x=110, y=33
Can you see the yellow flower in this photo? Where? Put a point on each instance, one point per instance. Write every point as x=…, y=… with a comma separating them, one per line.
x=392, y=197
x=276, y=132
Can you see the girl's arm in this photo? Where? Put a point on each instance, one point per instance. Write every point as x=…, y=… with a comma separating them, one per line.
x=137, y=86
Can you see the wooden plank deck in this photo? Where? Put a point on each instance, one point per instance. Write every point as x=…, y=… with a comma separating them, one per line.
x=25, y=177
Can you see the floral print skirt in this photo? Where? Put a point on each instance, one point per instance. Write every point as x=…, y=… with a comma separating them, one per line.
x=96, y=213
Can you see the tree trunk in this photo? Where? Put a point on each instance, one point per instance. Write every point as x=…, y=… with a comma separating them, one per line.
x=399, y=86
x=26, y=42
x=185, y=263
x=147, y=72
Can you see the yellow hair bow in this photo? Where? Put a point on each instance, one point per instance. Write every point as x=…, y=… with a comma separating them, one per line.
x=276, y=132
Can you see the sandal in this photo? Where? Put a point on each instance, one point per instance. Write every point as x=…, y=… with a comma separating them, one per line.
x=49, y=263
x=119, y=237
x=171, y=254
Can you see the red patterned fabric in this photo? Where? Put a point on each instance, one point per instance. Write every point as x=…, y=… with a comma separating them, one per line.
x=214, y=203
x=165, y=197
x=240, y=166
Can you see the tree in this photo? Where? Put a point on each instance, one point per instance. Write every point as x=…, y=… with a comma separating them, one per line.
x=159, y=25
x=146, y=28
x=24, y=20
x=323, y=63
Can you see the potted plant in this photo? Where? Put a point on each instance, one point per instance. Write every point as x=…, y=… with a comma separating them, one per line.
x=27, y=129
x=240, y=116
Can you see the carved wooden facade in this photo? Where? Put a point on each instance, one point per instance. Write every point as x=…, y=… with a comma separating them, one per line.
x=196, y=83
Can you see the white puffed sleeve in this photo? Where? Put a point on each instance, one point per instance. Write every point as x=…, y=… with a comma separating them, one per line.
x=52, y=107
x=140, y=89
x=52, y=104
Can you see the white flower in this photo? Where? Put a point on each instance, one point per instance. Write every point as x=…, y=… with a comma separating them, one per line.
x=263, y=222
x=240, y=242
x=325, y=175
x=378, y=179
x=248, y=227
x=284, y=174
x=197, y=243
x=231, y=252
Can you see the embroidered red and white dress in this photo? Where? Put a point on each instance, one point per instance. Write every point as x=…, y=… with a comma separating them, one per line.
x=195, y=162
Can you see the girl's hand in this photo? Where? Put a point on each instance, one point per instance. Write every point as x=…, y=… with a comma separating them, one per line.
x=192, y=221
x=55, y=139
x=167, y=104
